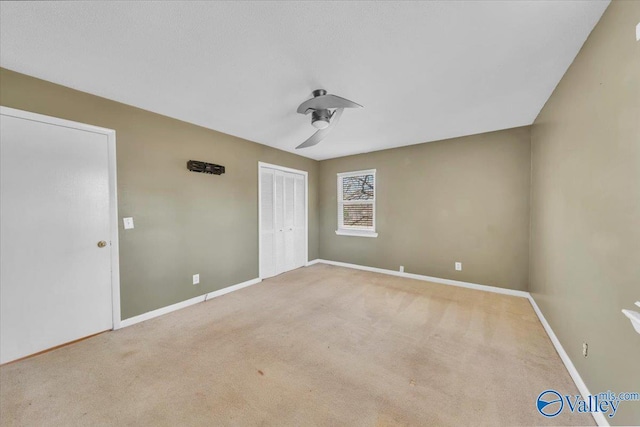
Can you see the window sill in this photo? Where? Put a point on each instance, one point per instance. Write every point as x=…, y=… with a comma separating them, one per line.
x=356, y=233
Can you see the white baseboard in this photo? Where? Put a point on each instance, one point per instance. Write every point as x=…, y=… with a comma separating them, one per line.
x=577, y=379
x=458, y=283
x=173, y=307
x=232, y=288
x=575, y=376
x=314, y=261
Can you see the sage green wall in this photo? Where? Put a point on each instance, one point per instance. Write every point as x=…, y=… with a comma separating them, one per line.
x=585, y=228
x=463, y=199
x=185, y=223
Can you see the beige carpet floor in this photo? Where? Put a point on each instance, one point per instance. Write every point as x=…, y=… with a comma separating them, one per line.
x=320, y=345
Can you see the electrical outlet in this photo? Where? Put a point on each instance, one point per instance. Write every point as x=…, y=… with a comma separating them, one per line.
x=196, y=279
x=458, y=266
x=402, y=269
x=585, y=349
x=128, y=223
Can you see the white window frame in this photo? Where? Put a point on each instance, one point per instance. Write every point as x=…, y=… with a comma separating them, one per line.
x=356, y=231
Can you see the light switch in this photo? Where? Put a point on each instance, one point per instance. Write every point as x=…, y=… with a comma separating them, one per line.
x=128, y=223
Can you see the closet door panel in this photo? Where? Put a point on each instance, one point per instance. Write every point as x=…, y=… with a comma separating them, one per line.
x=279, y=216
x=299, y=226
x=267, y=208
x=289, y=221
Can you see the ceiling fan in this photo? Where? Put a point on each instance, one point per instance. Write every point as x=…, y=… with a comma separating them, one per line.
x=322, y=118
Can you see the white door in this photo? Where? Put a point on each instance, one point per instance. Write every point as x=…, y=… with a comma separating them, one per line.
x=300, y=221
x=279, y=207
x=267, y=223
x=289, y=250
x=55, y=281
x=283, y=220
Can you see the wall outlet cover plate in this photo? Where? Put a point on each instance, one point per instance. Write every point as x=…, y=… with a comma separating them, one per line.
x=128, y=223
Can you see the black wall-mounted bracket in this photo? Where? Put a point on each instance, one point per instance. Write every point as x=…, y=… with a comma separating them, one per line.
x=204, y=167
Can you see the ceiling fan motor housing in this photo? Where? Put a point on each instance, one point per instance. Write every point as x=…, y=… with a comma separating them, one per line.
x=320, y=118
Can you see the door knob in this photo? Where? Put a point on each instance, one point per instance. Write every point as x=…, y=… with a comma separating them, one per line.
x=102, y=244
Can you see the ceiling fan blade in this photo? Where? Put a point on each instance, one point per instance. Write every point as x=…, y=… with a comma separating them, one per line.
x=324, y=102
x=322, y=133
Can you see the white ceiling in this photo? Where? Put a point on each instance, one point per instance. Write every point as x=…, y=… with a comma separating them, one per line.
x=424, y=71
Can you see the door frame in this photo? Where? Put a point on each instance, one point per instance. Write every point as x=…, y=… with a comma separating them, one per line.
x=306, y=209
x=113, y=192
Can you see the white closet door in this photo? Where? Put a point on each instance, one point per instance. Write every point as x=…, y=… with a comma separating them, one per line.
x=283, y=221
x=279, y=223
x=289, y=253
x=267, y=223
x=300, y=222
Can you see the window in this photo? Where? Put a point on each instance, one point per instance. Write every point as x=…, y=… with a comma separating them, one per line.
x=357, y=203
